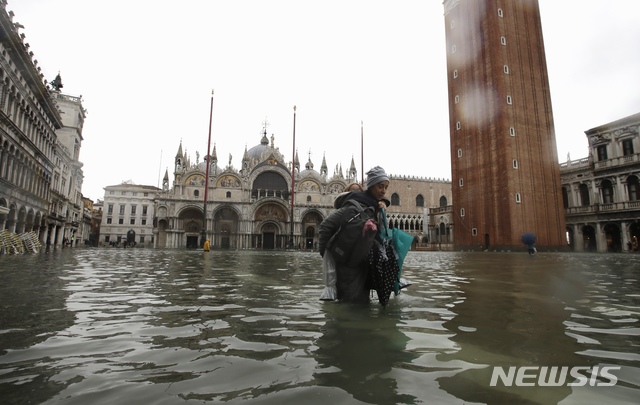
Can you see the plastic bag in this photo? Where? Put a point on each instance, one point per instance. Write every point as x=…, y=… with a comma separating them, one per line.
x=330, y=292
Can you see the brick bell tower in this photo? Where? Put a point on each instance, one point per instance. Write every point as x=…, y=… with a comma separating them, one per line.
x=505, y=172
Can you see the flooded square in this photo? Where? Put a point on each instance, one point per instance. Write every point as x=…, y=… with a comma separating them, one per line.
x=109, y=326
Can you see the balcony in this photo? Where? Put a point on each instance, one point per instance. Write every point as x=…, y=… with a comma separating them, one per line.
x=617, y=162
x=602, y=208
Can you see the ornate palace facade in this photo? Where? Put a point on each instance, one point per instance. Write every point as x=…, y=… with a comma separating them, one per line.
x=251, y=207
x=602, y=191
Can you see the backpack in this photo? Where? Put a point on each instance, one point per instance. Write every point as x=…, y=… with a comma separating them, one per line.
x=352, y=241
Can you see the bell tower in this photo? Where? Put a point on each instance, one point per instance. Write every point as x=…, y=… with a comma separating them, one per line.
x=504, y=162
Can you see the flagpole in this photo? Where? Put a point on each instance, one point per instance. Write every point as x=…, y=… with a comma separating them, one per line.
x=293, y=176
x=362, y=152
x=203, y=236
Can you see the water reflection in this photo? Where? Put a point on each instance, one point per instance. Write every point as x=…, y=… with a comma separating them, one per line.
x=153, y=326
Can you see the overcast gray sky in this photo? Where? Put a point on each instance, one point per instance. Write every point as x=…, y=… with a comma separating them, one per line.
x=146, y=68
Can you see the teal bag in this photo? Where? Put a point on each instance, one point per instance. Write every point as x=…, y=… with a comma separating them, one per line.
x=401, y=243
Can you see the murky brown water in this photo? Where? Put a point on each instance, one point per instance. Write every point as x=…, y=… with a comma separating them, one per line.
x=116, y=326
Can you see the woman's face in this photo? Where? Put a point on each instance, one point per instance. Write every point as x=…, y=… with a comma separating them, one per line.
x=379, y=189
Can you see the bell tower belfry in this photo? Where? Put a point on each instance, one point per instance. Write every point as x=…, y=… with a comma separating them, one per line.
x=504, y=160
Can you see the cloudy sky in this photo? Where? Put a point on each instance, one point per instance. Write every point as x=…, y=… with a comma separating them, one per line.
x=146, y=68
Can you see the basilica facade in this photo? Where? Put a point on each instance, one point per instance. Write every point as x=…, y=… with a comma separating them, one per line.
x=260, y=205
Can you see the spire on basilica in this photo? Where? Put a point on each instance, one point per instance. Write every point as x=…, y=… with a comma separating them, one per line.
x=165, y=180
x=353, y=172
x=309, y=165
x=323, y=166
x=297, y=162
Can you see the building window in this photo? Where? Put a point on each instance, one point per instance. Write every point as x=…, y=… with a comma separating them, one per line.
x=458, y=125
x=144, y=221
x=132, y=221
x=395, y=199
x=443, y=201
x=506, y=69
x=515, y=163
x=146, y=194
x=602, y=152
x=134, y=193
x=122, y=206
x=141, y=239
x=607, y=192
x=120, y=221
x=460, y=182
x=633, y=187
x=308, y=198
x=110, y=209
x=196, y=193
x=419, y=200
x=459, y=153
x=512, y=131
x=228, y=194
x=455, y=74
x=133, y=209
x=518, y=199
x=584, y=195
x=106, y=238
x=462, y=212
x=456, y=99
x=627, y=147
x=499, y=12
x=109, y=220
x=509, y=101
x=123, y=193
x=474, y=231
x=144, y=209
x=503, y=40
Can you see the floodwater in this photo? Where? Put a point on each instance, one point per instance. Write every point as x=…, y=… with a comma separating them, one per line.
x=135, y=326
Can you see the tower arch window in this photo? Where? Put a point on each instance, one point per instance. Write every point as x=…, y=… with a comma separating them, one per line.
x=518, y=198
x=459, y=153
x=462, y=212
x=395, y=199
x=458, y=125
x=509, y=100
x=500, y=13
x=503, y=40
x=455, y=73
x=512, y=131
x=457, y=99
x=460, y=182
x=474, y=231
x=515, y=163
x=506, y=69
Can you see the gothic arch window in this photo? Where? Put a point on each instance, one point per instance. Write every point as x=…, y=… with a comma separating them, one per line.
x=633, y=188
x=419, y=200
x=395, y=199
x=228, y=194
x=443, y=202
x=308, y=198
x=607, y=192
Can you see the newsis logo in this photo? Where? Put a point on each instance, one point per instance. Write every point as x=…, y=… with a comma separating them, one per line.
x=530, y=376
